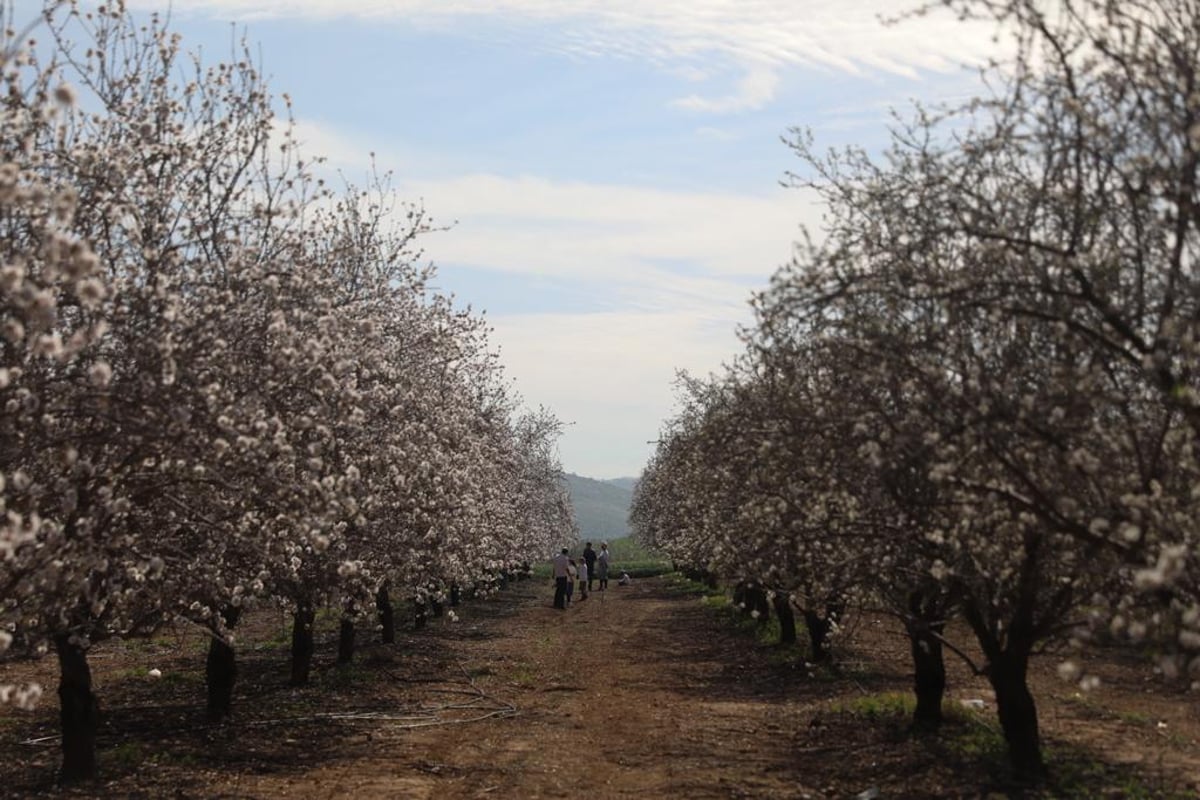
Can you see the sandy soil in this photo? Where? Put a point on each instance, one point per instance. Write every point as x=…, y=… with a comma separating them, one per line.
x=642, y=691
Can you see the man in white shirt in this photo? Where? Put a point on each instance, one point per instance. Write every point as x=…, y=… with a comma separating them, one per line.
x=560, y=562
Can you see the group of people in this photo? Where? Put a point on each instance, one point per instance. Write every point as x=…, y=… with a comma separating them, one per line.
x=592, y=566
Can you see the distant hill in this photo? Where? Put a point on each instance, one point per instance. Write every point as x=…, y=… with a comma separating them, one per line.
x=624, y=483
x=601, y=507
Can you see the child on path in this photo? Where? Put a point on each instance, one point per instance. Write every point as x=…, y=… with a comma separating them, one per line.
x=584, y=575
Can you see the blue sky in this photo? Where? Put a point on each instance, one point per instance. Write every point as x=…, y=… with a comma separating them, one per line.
x=611, y=167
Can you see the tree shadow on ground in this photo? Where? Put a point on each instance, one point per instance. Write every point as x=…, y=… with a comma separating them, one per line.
x=811, y=723
x=155, y=738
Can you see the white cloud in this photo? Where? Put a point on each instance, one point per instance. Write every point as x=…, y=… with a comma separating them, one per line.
x=690, y=38
x=341, y=150
x=678, y=267
x=754, y=91
x=533, y=225
x=610, y=375
x=675, y=266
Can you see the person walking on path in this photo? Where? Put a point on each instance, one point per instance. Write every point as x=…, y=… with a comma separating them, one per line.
x=602, y=563
x=572, y=575
x=560, y=562
x=585, y=576
x=589, y=558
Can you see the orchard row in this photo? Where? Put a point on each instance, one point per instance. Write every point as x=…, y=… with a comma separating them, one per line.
x=222, y=382
x=978, y=396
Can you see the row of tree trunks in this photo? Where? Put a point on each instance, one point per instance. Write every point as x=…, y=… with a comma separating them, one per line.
x=819, y=627
x=1006, y=671
x=79, y=709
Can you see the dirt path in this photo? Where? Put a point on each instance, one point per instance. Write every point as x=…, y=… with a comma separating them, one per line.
x=621, y=695
x=642, y=691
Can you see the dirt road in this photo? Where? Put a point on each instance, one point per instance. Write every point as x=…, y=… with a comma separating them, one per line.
x=642, y=691
x=622, y=695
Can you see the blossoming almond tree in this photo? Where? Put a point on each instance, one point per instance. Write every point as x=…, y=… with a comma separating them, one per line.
x=1022, y=288
x=175, y=202
x=51, y=288
x=204, y=352
x=1101, y=144
x=1011, y=241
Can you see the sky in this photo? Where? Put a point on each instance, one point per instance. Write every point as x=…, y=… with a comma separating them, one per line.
x=609, y=170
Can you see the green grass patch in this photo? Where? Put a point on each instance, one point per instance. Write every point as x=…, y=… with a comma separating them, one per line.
x=523, y=675
x=1077, y=774
x=976, y=741
x=625, y=555
x=344, y=676
x=764, y=632
x=641, y=569
x=327, y=618
x=678, y=583
x=281, y=638
x=628, y=550
x=980, y=737
x=125, y=757
x=134, y=672
x=182, y=758
x=883, y=705
x=973, y=740
x=1091, y=708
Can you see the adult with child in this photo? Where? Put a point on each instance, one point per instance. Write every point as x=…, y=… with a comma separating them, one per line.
x=560, y=562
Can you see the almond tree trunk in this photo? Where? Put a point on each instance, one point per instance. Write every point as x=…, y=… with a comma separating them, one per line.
x=346, y=640
x=1007, y=649
x=787, y=618
x=419, y=615
x=387, y=616
x=929, y=674
x=818, y=636
x=220, y=670
x=79, y=714
x=1018, y=716
x=303, y=646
